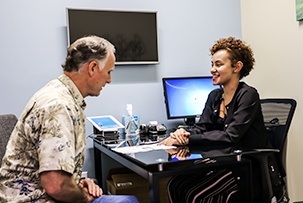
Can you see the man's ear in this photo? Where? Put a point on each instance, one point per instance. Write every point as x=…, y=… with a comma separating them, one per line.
x=238, y=66
x=92, y=67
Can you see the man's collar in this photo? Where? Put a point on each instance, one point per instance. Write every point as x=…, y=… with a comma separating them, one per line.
x=73, y=90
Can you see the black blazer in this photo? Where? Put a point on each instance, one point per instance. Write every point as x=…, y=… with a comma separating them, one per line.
x=243, y=125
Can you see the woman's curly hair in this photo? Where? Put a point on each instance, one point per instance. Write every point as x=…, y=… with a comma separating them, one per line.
x=238, y=51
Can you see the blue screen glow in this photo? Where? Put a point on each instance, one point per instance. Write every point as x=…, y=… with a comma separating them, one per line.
x=185, y=97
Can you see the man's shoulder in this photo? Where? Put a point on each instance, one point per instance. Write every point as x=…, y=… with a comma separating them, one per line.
x=53, y=88
x=53, y=93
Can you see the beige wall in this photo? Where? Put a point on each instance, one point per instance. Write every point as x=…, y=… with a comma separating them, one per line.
x=270, y=27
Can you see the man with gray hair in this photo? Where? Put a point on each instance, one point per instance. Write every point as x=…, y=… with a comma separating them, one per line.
x=45, y=154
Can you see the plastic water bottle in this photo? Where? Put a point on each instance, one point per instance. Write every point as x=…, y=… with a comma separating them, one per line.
x=131, y=123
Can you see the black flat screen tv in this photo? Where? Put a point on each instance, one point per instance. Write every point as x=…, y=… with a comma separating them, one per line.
x=185, y=97
x=133, y=33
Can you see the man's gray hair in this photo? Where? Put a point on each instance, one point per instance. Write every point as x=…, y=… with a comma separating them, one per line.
x=86, y=49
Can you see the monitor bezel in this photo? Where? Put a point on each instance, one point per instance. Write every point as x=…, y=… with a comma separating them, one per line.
x=190, y=118
x=133, y=62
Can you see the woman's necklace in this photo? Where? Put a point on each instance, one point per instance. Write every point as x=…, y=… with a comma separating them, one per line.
x=223, y=111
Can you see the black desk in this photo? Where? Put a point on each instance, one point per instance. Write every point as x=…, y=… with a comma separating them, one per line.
x=153, y=165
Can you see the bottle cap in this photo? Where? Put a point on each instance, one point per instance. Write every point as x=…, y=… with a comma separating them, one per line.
x=129, y=109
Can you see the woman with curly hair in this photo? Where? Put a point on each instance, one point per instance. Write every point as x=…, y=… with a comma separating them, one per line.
x=232, y=115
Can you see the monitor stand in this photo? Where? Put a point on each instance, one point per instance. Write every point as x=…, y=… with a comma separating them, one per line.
x=190, y=121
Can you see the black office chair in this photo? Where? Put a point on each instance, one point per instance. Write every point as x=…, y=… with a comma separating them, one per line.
x=278, y=114
x=7, y=124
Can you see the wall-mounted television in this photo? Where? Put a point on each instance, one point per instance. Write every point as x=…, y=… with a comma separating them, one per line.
x=185, y=97
x=133, y=33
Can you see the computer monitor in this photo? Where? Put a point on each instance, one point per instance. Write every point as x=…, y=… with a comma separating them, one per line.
x=185, y=97
x=134, y=33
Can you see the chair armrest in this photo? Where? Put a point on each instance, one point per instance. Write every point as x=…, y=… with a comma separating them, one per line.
x=268, y=150
x=262, y=158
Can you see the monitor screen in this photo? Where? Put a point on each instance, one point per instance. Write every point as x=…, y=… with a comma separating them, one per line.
x=185, y=97
x=134, y=34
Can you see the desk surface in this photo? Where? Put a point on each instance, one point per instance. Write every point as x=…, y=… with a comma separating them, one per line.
x=179, y=155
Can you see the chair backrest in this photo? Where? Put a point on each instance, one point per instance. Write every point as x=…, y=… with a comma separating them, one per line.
x=7, y=124
x=278, y=114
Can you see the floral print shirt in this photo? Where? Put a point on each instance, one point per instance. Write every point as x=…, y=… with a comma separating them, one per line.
x=50, y=135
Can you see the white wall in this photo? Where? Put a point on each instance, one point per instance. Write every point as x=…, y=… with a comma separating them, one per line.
x=277, y=38
x=33, y=45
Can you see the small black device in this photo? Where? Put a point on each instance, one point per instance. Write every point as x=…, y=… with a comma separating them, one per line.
x=151, y=131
